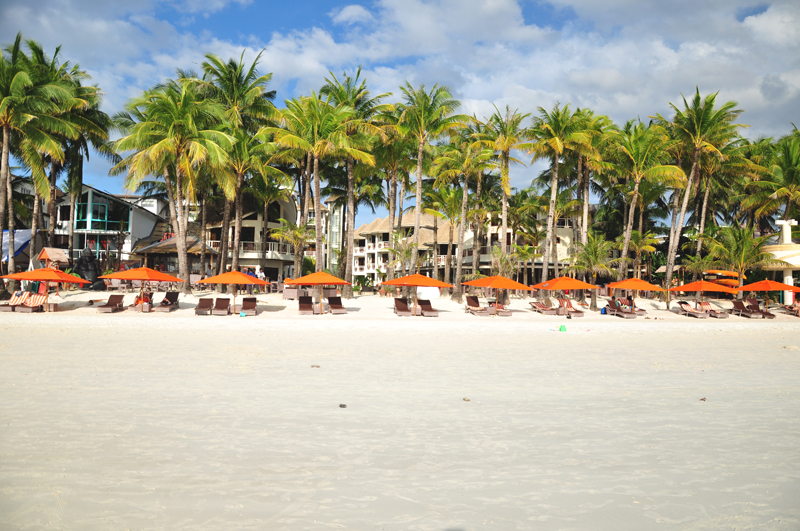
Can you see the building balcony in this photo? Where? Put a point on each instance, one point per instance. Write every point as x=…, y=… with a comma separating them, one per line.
x=359, y=269
x=275, y=250
x=359, y=250
x=383, y=246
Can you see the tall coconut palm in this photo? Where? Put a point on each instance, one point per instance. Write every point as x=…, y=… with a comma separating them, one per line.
x=322, y=130
x=781, y=186
x=503, y=133
x=352, y=92
x=462, y=159
x=244, y=94
x=702, y=128
x=28, y=104
x=267, y=191
x=172, y=130
x=297, y=236
x=552, y=134
x=643, y=152
x=424, y=116
x=639, y=244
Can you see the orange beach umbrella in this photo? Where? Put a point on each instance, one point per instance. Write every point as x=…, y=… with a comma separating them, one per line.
x=563, y=284
x=233, y=277
x=497, y=282
x=635, y=284
x=142, y=273
x=47, y=274
x=703, y=285
x=769, y=285
x=320, y=278
x=417, y=281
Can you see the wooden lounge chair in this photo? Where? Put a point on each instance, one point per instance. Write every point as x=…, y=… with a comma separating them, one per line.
x=615, y=308
x=114, y=304
x=305, y=305
x=706, y=307
x=740, y=309
x=752, y=304
x=401, y=307
x=684, y=308
x=17, y=299
x=474, y=306
x=290, y=293
x=249, y=306
x=427, y=309
x=793, y=309
x=630, y=303
x=34, y=303
x=169, y=303
x=566, y=305
x=204, y=306
x=222, y=306
x=543, y=309
x=335, y=304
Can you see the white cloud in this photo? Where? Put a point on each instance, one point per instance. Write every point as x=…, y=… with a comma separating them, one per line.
x=350, y=15
x=778, y=25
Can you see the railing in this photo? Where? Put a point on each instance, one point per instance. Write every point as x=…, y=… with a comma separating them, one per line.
x=383, y=245
x=370, y=247
x=359, y=269
x=310, y=253
x=255, y=247
x=359, y=250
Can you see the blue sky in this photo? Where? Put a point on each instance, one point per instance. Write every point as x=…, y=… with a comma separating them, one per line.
x=624, y=58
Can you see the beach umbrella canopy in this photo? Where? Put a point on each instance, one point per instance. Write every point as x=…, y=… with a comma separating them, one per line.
x=320, y=278
x=142, y=273
x=635, y=284
x=47, y=274
x=702, y=285
x=769, y=285
x=497, y=282
x=563, y=284
x=417, y=281
x=723, y=273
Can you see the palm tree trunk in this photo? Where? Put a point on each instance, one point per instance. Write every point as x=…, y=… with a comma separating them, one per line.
x=400, y=197
x=641, y=219
x=418, y=212
x=392, y=208
x=435, y=247
x=623, y=265
x=51, y=205
x=449, y=258
x=12, y=264
x=555, y=254
x=702, y=225
x=203, y=225
x=317, y=216
x=183, y=262
x=4, y=172
x=35, y=224
x=349, y=229
x=222, y=259
x=461, y=227
x=586, y=187
x=550, y=220
x=307, y=189
x=237, y=222
x=504, y=202
x=673, y=243
x=264, y=232
x=73, y=200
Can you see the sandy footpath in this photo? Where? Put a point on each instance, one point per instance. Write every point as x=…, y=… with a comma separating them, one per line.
x=172, y=421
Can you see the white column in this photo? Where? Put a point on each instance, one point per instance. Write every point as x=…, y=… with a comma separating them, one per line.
x=788, y=296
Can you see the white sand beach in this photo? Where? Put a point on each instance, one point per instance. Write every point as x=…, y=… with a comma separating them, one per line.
x=176, y=421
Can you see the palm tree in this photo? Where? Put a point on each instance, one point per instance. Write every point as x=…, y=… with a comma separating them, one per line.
x=781, y=187
x=594, y=258
x=28, y=106
x=352, y=93
x=503, y=133
x=639, y=243
x=461, y=159
x=552, y=134
x=405, y=253
x=172, y=130
x=296, y=235
x=267, y=191
x=736, y=249
x=243, y=93
x=525, y=253
x=642, y=156
x=425, y=116
x=701, y=128
x=321, y=130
